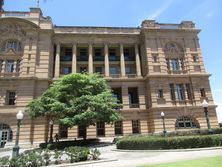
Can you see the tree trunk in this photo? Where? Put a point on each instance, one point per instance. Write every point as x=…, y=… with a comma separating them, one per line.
x=51, y=132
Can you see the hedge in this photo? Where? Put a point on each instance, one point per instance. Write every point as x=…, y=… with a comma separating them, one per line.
x=158, y=143
x=63, y=144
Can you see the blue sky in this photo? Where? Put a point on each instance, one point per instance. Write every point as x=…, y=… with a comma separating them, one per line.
x=207, y=15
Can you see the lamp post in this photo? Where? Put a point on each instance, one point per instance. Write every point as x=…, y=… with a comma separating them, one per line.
x=51, y=131
x=15, y=150
x=205, y=106
x=164, y=127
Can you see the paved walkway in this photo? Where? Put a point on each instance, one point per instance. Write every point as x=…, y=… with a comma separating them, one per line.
x=135, y=158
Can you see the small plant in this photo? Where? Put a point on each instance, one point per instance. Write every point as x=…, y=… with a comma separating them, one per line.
x=4, y=161
x=77, y=154
x=46, y=156
x=57, y=156
x=95, y=153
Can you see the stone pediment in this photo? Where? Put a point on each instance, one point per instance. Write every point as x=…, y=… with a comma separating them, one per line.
x=10, y=52
x=15, y=27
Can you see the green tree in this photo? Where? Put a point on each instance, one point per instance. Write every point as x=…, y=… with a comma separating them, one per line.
x=77, y=99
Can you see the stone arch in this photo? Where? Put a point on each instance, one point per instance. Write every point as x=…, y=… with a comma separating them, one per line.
x=186, y=122
x=6, y=134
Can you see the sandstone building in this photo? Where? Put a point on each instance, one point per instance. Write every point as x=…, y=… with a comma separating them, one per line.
x=152, y=68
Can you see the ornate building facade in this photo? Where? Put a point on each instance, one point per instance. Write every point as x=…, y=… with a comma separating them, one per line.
x=151, y=69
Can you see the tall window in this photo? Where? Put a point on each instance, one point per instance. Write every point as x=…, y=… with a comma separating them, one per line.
x=189, y=91
x=117, y=93
x=186, y=122
x=100, y=128
x=180, y=92
x=118, y=128
x=202, y=92
x=10, y=66
x=66, y=70
x=98, y=55
x=83, y=54
x=112, y=55
x=63, y=131
x=133, y=97
x=81, y=131
x=160, y=93
x=10, y=98
x=99, y=70
x=135, y=126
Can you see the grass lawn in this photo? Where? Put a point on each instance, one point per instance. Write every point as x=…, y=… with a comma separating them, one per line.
x=204, y=162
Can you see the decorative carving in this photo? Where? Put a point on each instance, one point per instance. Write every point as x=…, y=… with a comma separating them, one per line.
x=187, y=24
x=148, y=24
x=172, y=47
x=11, y=28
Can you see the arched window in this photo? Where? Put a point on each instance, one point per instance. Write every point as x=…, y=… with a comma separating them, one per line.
x=12, y=44
x=5, y=134
x=186, y=122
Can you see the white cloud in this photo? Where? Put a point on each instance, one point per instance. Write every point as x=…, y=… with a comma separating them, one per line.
x=161, y=9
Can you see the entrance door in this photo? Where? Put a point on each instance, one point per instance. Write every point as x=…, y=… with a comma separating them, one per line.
x=5, y=134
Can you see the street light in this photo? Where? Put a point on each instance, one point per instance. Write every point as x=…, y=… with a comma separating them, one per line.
x=15, y=150
x=205, y=106
x=51, y=131
x=164, y=127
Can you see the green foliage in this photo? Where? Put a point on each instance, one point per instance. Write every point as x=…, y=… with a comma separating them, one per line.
x=57, y=156
x=77, y=154
x=46, y=156
x=4, y=161
x=77, y=99
x=63, y=144
x=95, y=153
x=179, y=142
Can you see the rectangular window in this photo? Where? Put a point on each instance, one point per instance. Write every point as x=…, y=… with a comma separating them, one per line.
x=66, y=70
x=10, y=66
x=113, y=70
x=189, y=91
x=180, y=92
x=133, y=97
x=99, y=70
x=195, y=58
x=160, y=93
x=98, y=55
x=81, y=131
x=155, y=58
x=117, y=93
x=118, y=128
x=10, y=98
x=128, y=70
x=63, y=132
x=100, y=128
x=174, y=64
x=202, y=92
x=12, y=45
x=83, y=54
x=172, y=92
x=112, y=55
x=135, y=126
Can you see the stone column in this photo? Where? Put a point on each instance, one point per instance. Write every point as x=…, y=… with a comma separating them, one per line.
x=122, y=62
x=106, y=60
x=74, y=58
x=57, y=61
x=90, y=63
x=138, y=67
x=3, y=66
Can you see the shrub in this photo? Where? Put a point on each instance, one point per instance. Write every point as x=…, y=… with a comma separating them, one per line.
x=77, y=154
x=179, y=142
x=95, y=153
x=63, y=144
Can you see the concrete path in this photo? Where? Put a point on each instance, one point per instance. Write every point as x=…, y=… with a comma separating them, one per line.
x=112, y=158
